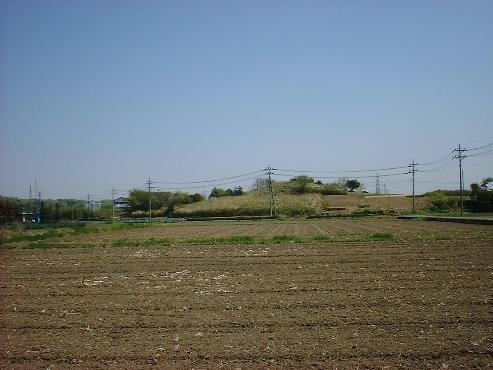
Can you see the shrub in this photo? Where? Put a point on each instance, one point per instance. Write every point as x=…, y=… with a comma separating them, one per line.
x=440, y=202
x=333, y=189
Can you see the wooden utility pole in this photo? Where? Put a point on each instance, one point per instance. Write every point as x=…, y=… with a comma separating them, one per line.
x=112, y=204
x=149, y=182
x=269, y=172
x=461, y=156
x=412, y=171
x=88, y=205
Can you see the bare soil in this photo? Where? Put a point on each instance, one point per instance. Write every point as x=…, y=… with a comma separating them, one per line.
x=411, y=229
x=415, y=304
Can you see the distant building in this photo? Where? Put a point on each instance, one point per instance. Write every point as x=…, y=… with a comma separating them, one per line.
x=95, y=204
x=30, y=217
x=122, y=203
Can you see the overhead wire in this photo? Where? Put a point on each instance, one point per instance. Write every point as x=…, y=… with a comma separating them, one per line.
x=336, y=177
x=344, y=171
x=446, y=162
x=480, y=147
x=207, y=181
x=208, y=186
x=481, y=154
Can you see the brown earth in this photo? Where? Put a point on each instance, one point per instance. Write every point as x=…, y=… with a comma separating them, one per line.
x=414, y=229
x=414, y=304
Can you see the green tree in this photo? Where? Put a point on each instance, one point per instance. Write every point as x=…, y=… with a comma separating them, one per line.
x=481, y=197
x=303, y=179
x=238, y=191
x=194, y=198
x=8, y=211
x=352, y=185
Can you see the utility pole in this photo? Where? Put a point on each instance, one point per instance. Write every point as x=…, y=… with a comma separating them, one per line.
x=412, y=171
x=461, y=156
x=269, y=172
x=377, y=185
x=112, y=204
x=88, y=205
x=149, y=187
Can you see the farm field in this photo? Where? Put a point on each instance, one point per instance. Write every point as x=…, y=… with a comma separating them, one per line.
x=256, y=232
x=421, y=299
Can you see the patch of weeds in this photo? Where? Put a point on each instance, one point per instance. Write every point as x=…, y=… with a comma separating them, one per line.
x=34, y=237
x=124, y=243
x=206, y=241
x=242, y=239
x=277, y=239
x=84, y=229
x=440, y=237
x=156, y=241
x=323, y=238
x=382, y=236
x=43, y=245
x=141, y=243
x=127, y=225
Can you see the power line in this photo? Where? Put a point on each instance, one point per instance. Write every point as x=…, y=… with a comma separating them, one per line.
x=345, y=171
x=438, y=160
x=441, y=168
x=481, y=154
x=208, y=181
x=208, y=186
x=338, y=177
x=481, y=147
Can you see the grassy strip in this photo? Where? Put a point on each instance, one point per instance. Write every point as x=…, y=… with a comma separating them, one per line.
x=249, y=240
x=60, y=230
x=245, y=240
x=32, y=237
x=142, y=243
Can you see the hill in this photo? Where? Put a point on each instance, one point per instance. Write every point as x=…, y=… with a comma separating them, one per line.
x=256, y=203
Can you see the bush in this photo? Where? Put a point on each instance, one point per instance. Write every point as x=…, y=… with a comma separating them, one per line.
x=8, y=212
x=440, y=202
x=481, y=198
x=333, y=189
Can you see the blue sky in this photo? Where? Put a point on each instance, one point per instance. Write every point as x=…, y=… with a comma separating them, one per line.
x=102, y=94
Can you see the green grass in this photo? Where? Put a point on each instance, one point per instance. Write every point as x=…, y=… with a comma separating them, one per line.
x=141, y=243
x=31, y=233
x=23, y=237
x=44, y=245
x=278, y=239
x=235, y=240
x=323, y=238
x=382, y=236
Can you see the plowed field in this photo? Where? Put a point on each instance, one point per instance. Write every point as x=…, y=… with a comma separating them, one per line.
x=408, y=304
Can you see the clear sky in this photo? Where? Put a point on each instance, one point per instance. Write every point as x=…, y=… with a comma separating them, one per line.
x=102, y=94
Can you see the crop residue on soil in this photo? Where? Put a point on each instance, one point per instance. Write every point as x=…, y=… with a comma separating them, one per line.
x=419, y=304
